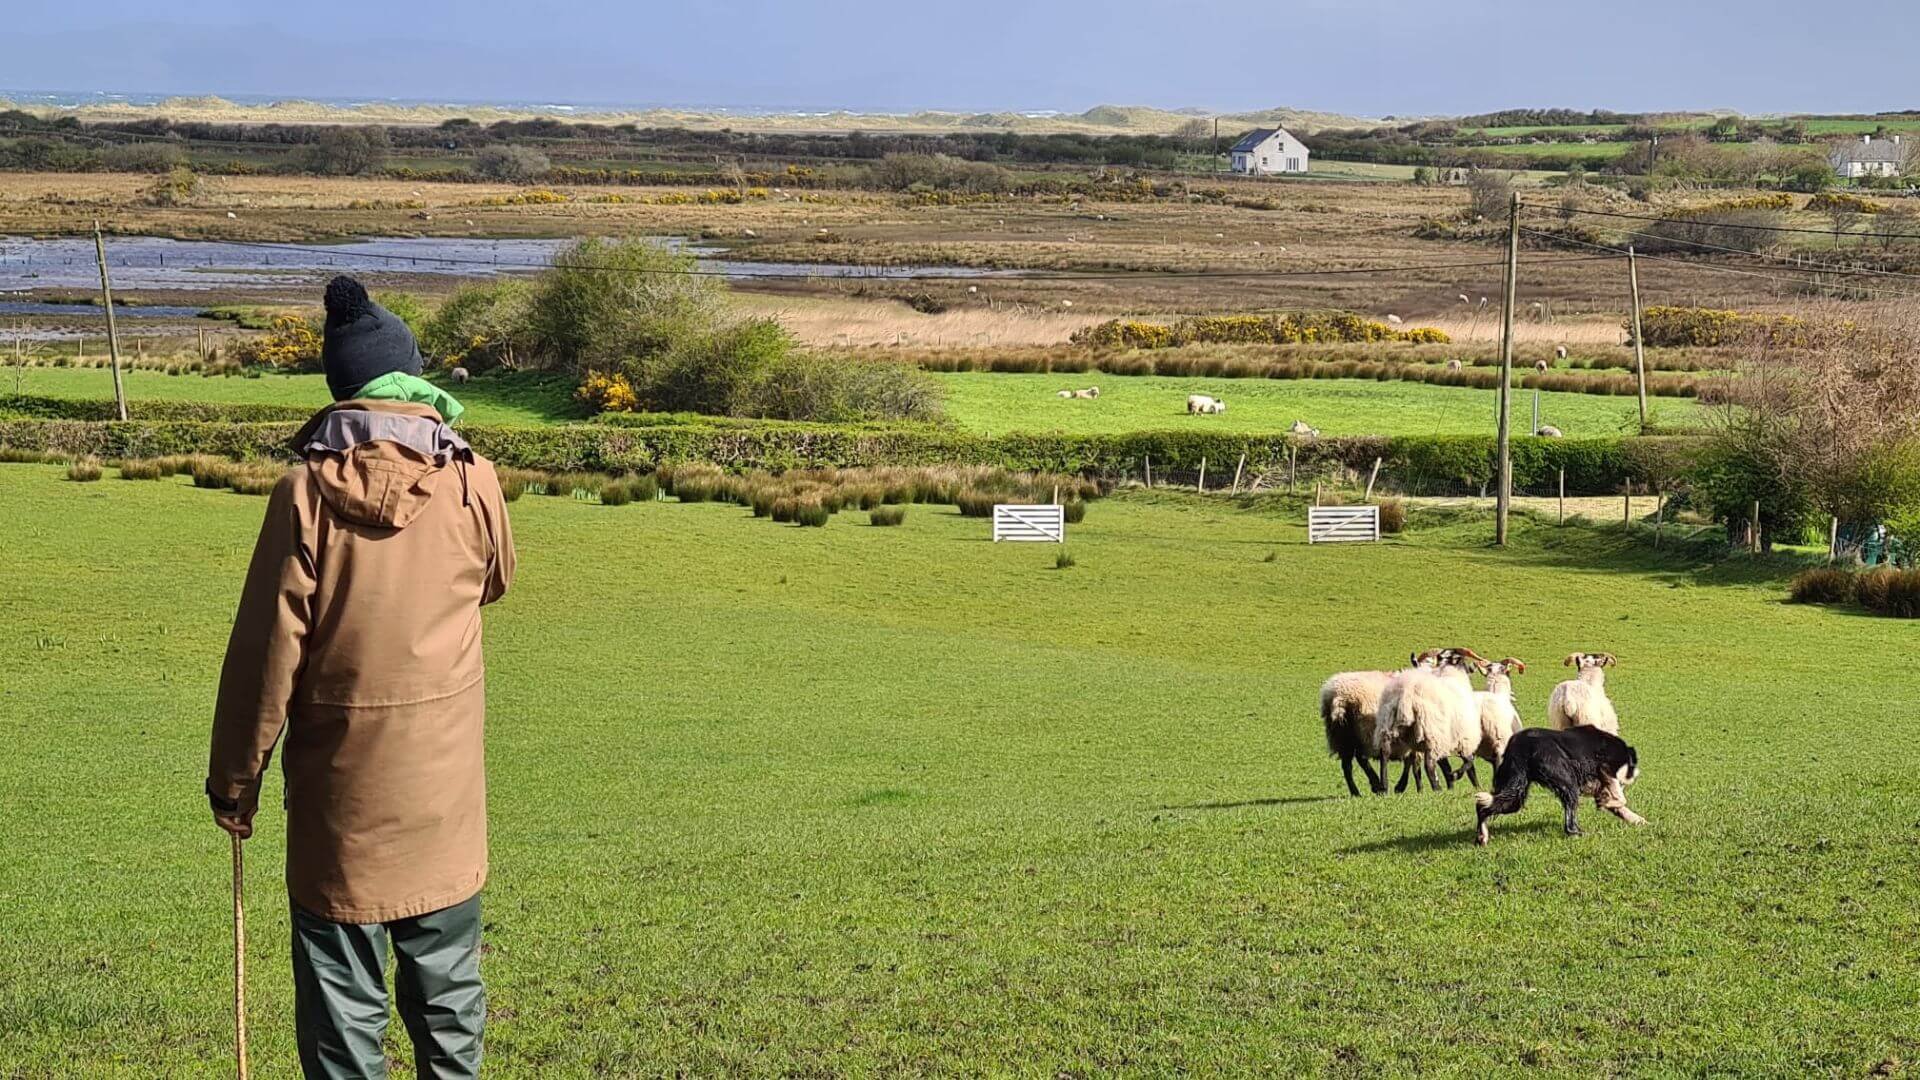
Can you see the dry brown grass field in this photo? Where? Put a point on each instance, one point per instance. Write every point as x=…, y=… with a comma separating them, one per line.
x=1067, y=261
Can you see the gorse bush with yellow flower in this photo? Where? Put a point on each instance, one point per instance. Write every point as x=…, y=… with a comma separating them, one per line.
x=1293, y=328
x=290, y=344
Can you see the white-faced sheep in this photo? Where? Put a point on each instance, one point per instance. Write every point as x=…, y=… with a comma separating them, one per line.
x=1303, y=430
x=1540, y=366
x=1090, y=393
x=1429, y=713
x=460, y=375
x=1454, y=365
x=1064, y=394
x=1560, y=351
x=1499, y=720
x=1583, y=701
x=1202, y=403
x=1548, y=431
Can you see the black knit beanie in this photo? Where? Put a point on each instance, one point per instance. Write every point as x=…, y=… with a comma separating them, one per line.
x=363, y=340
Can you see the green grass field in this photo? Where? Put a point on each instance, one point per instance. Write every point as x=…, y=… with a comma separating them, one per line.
x=770, y=800
x=522, y=400
x=1001, y=403
x=997, y=403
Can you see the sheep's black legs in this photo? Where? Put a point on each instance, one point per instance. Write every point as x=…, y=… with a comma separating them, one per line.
x=1406, y=771
x=1376, y=782
x=1446, y=770
x=1433, y=775
x=1346, y=766
x=1472, y=773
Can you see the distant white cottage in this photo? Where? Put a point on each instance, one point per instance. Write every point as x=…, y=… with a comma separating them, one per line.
x=1269, y=150
x=1870, y=157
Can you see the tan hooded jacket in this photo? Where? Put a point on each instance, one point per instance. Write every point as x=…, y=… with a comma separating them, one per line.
x=359, y=633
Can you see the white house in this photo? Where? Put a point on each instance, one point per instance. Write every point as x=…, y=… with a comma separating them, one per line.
x=1269, y=150
x=1870, y=157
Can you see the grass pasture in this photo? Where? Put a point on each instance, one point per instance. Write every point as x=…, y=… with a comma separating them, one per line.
x=854, y=800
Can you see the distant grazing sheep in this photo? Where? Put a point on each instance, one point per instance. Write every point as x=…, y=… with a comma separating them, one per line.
x=1560, y=351
x=1393, y=320
x=1301, y=429
x=1201, y=403
x=1453, y=365
x=1089, y=393
x=1539, y=365
x=1064, y=394
x=460, y=375
x=1548, y=431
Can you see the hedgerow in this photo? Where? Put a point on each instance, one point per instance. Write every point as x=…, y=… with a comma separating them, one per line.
x=51, y=408
x=1292, y=328
x=1432, y=464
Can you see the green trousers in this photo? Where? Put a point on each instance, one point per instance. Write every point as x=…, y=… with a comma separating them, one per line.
x=340, y=993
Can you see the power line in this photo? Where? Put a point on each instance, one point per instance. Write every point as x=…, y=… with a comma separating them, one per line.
x=875, y=272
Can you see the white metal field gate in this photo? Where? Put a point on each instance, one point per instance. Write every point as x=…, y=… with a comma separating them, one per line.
x=1014, y=521
x=1338, y=524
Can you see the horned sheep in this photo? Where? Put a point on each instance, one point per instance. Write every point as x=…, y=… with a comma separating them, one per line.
x=1429, y=713
x=1499, y=720
x=1583, y=701
x=1349, y=705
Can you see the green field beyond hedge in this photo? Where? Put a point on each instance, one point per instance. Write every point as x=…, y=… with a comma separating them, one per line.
x=996, y=404
x=771, y=800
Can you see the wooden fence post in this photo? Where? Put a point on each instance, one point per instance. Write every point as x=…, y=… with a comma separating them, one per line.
x=1833, y=540
x=1316, y=493
x=1368, y=497
x=1563, y=496
x=1203, y=476
x=1756, y=526
x=1626, y=507
x=1149, y=460
x=1293, y=457
x=1659, y=515
x=1236, y=472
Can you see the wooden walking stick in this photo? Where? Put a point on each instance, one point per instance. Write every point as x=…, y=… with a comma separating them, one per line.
x=239, y=964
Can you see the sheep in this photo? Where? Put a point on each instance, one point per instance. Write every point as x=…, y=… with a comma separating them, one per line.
x=1560, y=352
x=1393, y=320
x=1349, y=705
x=460, y=375
x=1548, y=431
x=1583, y=701
x=1218, y=406
x=1198, y=403
x=1301, y=429
x=1090, y=393
x=1540, y=366
x=1428, y=713
x=1499, y=720
x=1064, y=394
x=1453, y=365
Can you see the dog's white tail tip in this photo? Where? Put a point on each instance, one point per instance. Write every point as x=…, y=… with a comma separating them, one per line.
x=1483, y=799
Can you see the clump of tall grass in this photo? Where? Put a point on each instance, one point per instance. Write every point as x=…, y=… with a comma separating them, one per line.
x=616, y=493
x=140, y=469
x=1074, y=511
x=1063, y=560
x=14, y=455
x=1821, y=585
x=1393, y=516
x=84, y=470
x=812, y=515
x=516, y=482
x=256, y=479
x=887, y=515
x=1889, y=592
x=210, y=472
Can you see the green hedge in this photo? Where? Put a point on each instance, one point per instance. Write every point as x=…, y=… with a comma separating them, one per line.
x=52, y=408
x=1431, y=464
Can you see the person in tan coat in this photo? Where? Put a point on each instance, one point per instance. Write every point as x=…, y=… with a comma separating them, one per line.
x=358, y=636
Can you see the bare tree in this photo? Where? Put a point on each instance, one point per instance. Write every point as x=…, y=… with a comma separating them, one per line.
x=1488, y=192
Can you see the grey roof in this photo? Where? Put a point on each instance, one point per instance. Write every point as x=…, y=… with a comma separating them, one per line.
x=1875, y=151
x=1251, y=139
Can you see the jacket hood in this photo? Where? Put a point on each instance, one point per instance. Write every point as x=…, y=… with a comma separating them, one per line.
x=381, y=462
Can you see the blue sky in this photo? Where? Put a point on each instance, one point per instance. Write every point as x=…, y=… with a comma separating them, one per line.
x=1369, y=57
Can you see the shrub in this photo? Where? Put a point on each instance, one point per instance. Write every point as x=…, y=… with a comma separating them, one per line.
x=1669, y=327
x=1393, y=516
x=1842, y=201
x=84, y=470
x=643, y=488
x=407, y=308
x=829, y=390
x=812, y=515
x=1821, y=585
x=603, y=392
x=620, y=305
x=975, y=504
x=1074, y=511
x=1890, y=592
x=887, y=515
x=293, y=344
x=937, y=172
x=559, y=485
x=347, y=151
x=482, y=326
x=617, y=493
x=513, y=484
x=511, y=164
x=139, y=470
x=785, y=511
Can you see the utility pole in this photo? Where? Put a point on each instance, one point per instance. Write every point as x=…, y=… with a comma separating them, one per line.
x=1504, y=496
x=1216, y=144
x=1639, y=346
x=113, y=336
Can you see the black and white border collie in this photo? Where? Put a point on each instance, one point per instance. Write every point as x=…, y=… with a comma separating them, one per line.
x=1571, y=763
